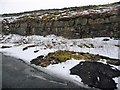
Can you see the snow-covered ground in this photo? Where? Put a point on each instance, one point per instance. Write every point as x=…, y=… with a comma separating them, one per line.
x=101, y=45
x=52, y=43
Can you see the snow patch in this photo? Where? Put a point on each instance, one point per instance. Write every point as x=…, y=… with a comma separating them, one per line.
x=52, y=43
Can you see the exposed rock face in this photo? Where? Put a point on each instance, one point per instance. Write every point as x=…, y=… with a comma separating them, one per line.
x=68, y=23
x=96, y=74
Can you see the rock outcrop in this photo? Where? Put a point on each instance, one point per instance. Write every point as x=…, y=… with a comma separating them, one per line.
x=96, y=74
x=69, y=23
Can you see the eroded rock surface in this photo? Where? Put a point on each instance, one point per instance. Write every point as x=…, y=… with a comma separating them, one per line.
x=76, y=22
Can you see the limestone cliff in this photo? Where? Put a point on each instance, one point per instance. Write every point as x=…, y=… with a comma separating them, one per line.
x=74, y=22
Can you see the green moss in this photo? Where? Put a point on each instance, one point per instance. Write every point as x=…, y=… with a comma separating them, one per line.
x=63, y=56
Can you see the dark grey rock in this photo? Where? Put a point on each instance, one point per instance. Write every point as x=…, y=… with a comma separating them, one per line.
x=96, y=74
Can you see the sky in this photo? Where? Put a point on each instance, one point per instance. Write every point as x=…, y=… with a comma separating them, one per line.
x=15, y=6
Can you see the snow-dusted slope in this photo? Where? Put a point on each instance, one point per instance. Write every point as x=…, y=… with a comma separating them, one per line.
x=102, y=45
x=97, y=45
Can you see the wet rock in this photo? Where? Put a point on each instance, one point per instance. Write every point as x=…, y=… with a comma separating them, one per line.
x=96, y=74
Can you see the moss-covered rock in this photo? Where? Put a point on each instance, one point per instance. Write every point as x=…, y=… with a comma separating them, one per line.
x=63, y=55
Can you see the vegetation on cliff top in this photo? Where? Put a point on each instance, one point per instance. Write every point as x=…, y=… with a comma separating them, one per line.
x=71, y=8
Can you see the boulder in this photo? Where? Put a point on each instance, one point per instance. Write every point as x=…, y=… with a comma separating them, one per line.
x=96, y=74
